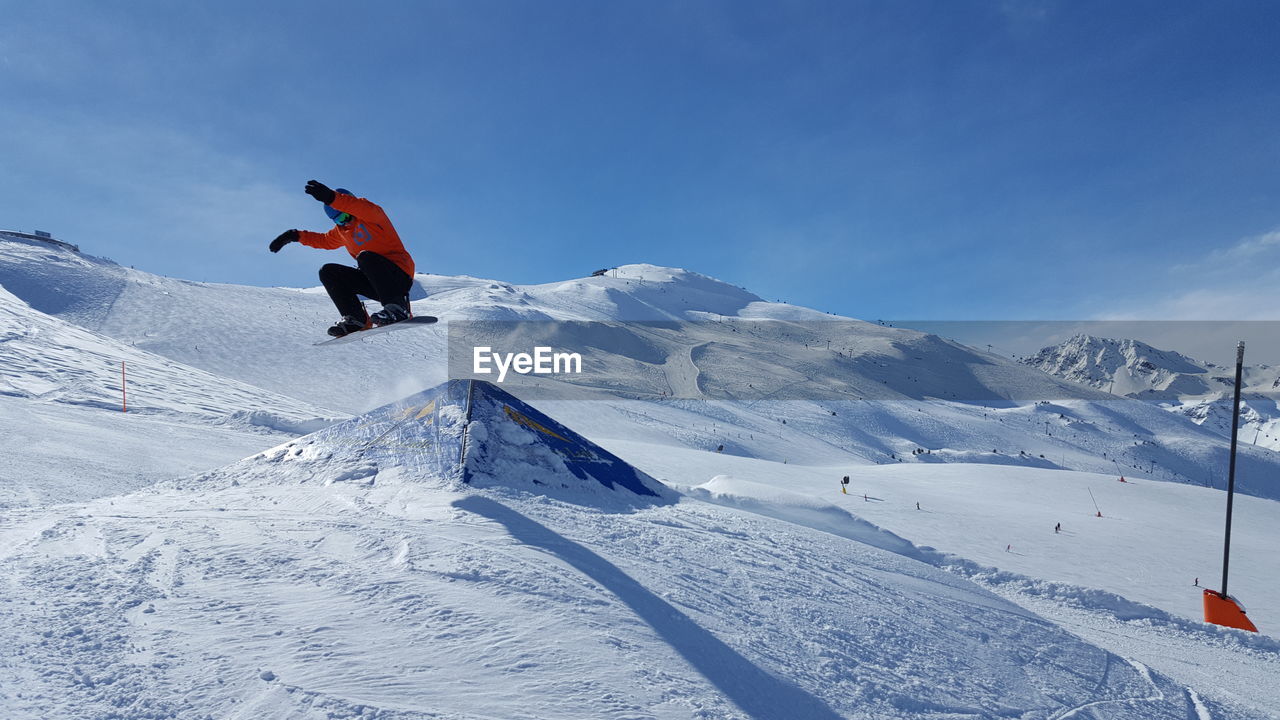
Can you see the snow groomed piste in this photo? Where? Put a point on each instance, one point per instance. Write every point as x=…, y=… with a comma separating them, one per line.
x=473, y=431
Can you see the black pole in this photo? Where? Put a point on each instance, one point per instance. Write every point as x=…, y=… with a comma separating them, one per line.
x=1231, y=471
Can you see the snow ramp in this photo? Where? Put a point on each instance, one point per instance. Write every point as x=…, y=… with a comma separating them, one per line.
x=477, y=433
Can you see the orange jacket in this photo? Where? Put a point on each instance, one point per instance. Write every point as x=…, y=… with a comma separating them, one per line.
x=369, y=229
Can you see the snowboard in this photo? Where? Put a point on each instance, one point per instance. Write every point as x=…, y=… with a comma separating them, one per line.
x=416, y=321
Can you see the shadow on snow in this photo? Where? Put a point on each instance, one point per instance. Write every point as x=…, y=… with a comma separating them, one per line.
x=753, y=690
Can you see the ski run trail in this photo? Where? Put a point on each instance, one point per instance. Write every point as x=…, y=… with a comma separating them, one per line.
x=263, y=535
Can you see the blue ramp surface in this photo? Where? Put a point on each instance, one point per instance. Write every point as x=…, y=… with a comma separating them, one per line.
x=520, y=441
x=476, y=432
x=422, y=432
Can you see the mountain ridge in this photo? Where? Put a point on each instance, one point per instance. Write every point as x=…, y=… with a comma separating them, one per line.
x=1201, y=391
x=717, y=368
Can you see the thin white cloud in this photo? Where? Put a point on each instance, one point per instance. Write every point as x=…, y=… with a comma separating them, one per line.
x=1237, y=282
x=1251, y=247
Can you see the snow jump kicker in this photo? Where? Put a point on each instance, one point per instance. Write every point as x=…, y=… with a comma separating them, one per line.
x=478, y=433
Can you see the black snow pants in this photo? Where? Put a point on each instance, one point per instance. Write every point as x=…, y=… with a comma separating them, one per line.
x=376, y=278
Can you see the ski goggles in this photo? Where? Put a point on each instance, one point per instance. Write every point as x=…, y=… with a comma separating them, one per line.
x=342, y=218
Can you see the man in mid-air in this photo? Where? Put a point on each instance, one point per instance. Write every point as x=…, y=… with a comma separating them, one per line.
x=384, y=269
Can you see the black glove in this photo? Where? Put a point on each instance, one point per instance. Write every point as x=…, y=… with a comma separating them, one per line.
x=285, y=238
x=320, y=191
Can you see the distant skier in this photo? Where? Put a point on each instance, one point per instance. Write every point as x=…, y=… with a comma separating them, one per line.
x=1057, y=528
x=385, y=269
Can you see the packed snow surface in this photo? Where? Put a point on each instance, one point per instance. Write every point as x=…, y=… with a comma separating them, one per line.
x=64, y=393
x=318, y=579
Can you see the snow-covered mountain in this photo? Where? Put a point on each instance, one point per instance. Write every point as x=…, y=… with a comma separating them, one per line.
x=664, y=536
x=686, y=357
x=1120, y=366
x=1202, y=391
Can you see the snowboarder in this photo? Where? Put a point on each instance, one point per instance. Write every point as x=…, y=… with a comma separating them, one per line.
x=384, y=269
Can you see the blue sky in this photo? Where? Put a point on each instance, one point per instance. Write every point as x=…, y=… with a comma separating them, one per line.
x=907, y=159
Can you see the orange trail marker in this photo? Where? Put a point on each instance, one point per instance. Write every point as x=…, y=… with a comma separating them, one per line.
x=1224, y=610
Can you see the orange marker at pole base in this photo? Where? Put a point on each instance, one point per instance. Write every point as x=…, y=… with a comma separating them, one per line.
x=1224, y=610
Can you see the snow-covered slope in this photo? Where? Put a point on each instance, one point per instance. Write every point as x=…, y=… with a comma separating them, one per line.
x=1202, y=391
x=726, y=369
x=1125, y=581
x=318, y=580
x=340, y=575
x=61, y=408
x=721, y=341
